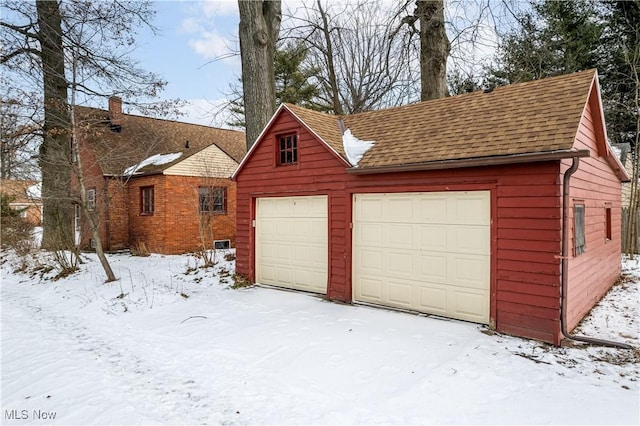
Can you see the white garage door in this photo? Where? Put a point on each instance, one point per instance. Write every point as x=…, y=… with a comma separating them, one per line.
x=426, y=252
x=291, y=242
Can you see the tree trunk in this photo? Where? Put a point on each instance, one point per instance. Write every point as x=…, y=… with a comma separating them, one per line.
x=434, y=49
x=55, y=150
x=258, y=30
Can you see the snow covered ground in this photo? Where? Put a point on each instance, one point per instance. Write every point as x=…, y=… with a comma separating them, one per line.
x=170, y=343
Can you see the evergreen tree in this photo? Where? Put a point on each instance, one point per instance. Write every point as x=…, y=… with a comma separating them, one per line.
x=294, y=83
x=555, y=37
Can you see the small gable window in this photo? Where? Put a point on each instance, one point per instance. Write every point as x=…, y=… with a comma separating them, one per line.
x=212, y=199
x=287, y=149
x=146, y=200
x=578, y=229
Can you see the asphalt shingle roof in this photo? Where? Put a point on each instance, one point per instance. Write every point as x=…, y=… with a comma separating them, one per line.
x=533, y=117
x=142, y=137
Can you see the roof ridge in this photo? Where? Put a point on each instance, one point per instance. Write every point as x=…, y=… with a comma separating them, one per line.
x=166, y=120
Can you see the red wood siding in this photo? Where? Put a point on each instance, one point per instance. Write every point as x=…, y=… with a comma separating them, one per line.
x=596, y=186
x=526, y=222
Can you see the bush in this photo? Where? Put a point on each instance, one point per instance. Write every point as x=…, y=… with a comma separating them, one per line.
x=139, y=248
x=17, y=234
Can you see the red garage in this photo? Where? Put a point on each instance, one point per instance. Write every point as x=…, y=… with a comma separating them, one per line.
x=463, y=207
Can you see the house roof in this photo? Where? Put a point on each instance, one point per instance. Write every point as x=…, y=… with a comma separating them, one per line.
x=526, y=118
x=140, y=138
x=22, y=191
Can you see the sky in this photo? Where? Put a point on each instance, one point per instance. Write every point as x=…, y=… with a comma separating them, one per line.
x=194, y=52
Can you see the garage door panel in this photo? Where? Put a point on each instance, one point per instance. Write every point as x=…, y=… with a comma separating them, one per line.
x=371, y=261
x=469, y=209
x=291, y=242
x=370, y=234
x=470, y=306
x=470, y=271
x=428, y=252
x=370, y=289
x=433, y=209
x=370, y=210
x=399, y=235
x=433, y=299
x=400, y=294
x=469, y=239
x=433, y=237
x=398, y=209
x=399, y=262
x=433, y=267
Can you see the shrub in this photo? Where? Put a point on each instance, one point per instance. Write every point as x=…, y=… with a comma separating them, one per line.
x=17, y=234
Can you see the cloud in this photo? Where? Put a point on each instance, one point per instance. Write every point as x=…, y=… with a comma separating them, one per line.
x=211, y=45
x=219, y=8
x=213, y=26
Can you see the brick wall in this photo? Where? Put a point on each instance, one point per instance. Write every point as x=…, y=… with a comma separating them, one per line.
x=93, y=179
x=147, y=228
x=176, y=222
x=117, y=217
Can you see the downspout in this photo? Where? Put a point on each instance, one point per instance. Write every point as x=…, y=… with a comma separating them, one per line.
x=565, y=267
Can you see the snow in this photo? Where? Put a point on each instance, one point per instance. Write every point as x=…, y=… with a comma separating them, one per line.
x=34, y=192
x=354, y=147
x=173, y=343
x=154, y=160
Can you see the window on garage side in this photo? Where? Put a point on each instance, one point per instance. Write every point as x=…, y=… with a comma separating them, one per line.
x=579, y=229
x=146, y=200
x=287, y=149
x=212, y=199
x=607, y=223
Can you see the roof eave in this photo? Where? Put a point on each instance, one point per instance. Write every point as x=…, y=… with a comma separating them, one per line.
x=473, y=162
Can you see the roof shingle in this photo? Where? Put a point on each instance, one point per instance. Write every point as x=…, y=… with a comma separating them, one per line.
x=142, y=137
x=532, y=117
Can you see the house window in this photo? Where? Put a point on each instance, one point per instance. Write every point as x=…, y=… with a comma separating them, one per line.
x=607, y=223
x=222, y=244
x=212, y=199
x=288, y=149
x=91, y=199
x=578, y=229
x=146, y=198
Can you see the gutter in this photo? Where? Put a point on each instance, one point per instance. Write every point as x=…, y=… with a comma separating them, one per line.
x=565, y=267
x=474, y=162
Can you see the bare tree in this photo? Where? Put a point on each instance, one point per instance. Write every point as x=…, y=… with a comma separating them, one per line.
x=632, y=59
x=361, y=61
x=34, y=41
x=20, y=135
x=258, y=30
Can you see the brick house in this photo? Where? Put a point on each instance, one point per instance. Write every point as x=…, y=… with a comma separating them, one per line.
x=25, y=197
x=499, y=207
x=161, y=183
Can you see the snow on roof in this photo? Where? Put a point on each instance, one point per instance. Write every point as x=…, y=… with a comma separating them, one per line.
x=154, y=160
x=34, y=191
x=616, y=150
x=354, y=147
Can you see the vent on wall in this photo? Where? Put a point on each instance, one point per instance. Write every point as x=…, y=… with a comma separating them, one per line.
x=222, y=244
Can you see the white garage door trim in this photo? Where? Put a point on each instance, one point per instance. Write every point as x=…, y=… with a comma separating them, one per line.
x=292, y=242
x=426, y=252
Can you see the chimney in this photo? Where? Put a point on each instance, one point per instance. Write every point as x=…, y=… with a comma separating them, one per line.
x=115, y=112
